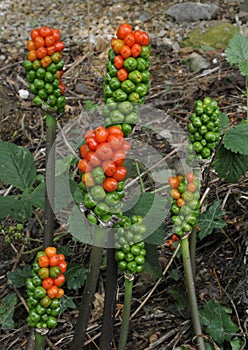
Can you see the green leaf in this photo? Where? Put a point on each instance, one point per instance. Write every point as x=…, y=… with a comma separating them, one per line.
x=75, y=276
x=218, y=323
x=157, y=237
x=179, y=296
x=67, y=303
x=17, y=166
x=15, y=207
x=19, y=276
x=237, y=50
x=243, y=67
x=7, y=308
x=79, y=227
x=152, y=264
x=235, y=139
x=152, y=207
x=63, y=165
x=38, y=196
x=211, y=219
x=66, y=192
x=236, y=343
x=229, y=165
x=224, y=120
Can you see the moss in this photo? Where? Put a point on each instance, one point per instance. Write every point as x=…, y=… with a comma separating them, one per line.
x=216, y=37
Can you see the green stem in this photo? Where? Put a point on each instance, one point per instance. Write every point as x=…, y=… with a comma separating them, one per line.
x=39, y=341
x=50, y=180
x=190, y=286
x=126, y=312
x=246, y=85
x=109, y=302
x=88, y=294
x=193, y=251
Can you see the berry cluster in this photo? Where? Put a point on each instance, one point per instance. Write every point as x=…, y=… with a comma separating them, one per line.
x=43, y=289
x=126, y=82
x=204, y=130
x=130, y=247
x=44, y=67
x=12, y=232
x=173, y=239
x=185, y=206
x=103, y=172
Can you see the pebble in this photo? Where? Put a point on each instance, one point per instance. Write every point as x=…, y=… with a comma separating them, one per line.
x=24, y=94
x=191, y=11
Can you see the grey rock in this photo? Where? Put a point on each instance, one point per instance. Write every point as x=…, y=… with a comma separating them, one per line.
x=192, y=11
x=196, y=62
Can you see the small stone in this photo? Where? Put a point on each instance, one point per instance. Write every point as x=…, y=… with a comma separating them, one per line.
x=24, y=94
x=196, y=62
x=81, y=88
x=191, y=11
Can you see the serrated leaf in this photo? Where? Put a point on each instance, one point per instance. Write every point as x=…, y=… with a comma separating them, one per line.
x=230, y=166
x=236, y=139
x=75, y=276
x=211, y=219
x=17, y=208
x=17, y=166
x=19, y=276
x=237, y=50
x=7, y=309
x=243, y=67
x=219, y=324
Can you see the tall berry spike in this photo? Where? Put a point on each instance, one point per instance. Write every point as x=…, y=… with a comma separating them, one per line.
x=126, y=82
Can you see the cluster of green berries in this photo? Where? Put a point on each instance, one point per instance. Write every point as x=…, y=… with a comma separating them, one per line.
x=126, y=82
x=44, y=69
x=12, y=232
x=185, y=207
x=44, y=288
x=204, y=130
x=130, y=249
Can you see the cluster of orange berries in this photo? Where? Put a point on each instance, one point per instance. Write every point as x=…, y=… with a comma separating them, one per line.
x=43, y=44
x=104, y=148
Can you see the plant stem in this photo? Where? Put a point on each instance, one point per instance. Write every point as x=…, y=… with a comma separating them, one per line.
x=126, y=312
x=190, y=287
x=109, y=301
x=246, y=85
x=193, y=251
x=39, y=341
x=88, y=295
x=50, y=180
